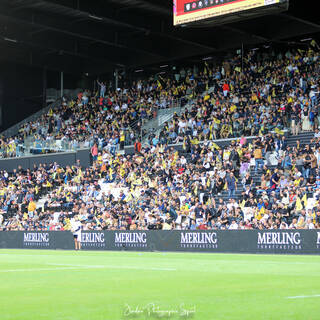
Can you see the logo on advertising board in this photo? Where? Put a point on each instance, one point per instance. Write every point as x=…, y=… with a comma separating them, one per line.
x=36, y=239
x=279, y=240
x=268, y=2
x=198, y=240
x=92, y=240
x=130, y=239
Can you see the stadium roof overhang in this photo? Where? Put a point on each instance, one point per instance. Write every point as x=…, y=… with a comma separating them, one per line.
x=96, y=37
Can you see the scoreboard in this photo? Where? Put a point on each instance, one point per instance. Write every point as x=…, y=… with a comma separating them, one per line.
x=186, y=11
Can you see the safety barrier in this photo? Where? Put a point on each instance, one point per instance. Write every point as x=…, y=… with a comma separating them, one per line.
x=63, y=159
x=235, y=241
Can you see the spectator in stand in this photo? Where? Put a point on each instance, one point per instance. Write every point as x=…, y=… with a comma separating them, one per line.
x=103, y=88
x=232, y=185
x=257, y=153
x=94, y=152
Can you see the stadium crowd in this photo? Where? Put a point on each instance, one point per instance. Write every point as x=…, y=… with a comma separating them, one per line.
x=271, y=94
x=158, y=188
x=111, y=118
x=161, y=188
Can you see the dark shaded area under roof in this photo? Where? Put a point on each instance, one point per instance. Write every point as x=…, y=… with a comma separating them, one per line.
x=96, y=37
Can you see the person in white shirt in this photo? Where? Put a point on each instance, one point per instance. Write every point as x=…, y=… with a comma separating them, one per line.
x=233, y=225
x=76, y=227
x=283, y=226
x=183, y=161
x=232, y=204
x=317, y=133
x=310, y=224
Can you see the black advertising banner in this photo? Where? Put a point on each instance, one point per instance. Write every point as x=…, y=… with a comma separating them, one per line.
x=27, y=240
x=93, y=240
x=197, y=241
x=236, y=241
x=63, y=240
x=132, y=240
x=34, y=240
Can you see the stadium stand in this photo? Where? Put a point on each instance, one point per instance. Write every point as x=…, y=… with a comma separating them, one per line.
x=243, y=156
x=268, y=85
x=114, y=120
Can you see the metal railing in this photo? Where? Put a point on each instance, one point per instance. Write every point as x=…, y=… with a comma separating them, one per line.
x=36, y=147
x=55, y=94
x=163, y=115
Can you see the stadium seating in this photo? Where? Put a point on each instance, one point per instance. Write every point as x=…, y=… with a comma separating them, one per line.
x=72, y=124
x=227, y=160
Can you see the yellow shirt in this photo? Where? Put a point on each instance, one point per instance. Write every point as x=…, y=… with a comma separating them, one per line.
x=32, y=206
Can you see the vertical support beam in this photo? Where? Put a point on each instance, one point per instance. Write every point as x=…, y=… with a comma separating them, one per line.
x=116, y=78
x=61, y=84
x=44, y=87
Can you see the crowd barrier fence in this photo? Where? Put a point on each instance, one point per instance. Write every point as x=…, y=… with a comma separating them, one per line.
x=223, y=241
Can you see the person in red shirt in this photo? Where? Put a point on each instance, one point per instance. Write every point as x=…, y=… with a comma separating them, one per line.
x=202, y=226
x=94, y=152
x=225, y=89
x=137, y=146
